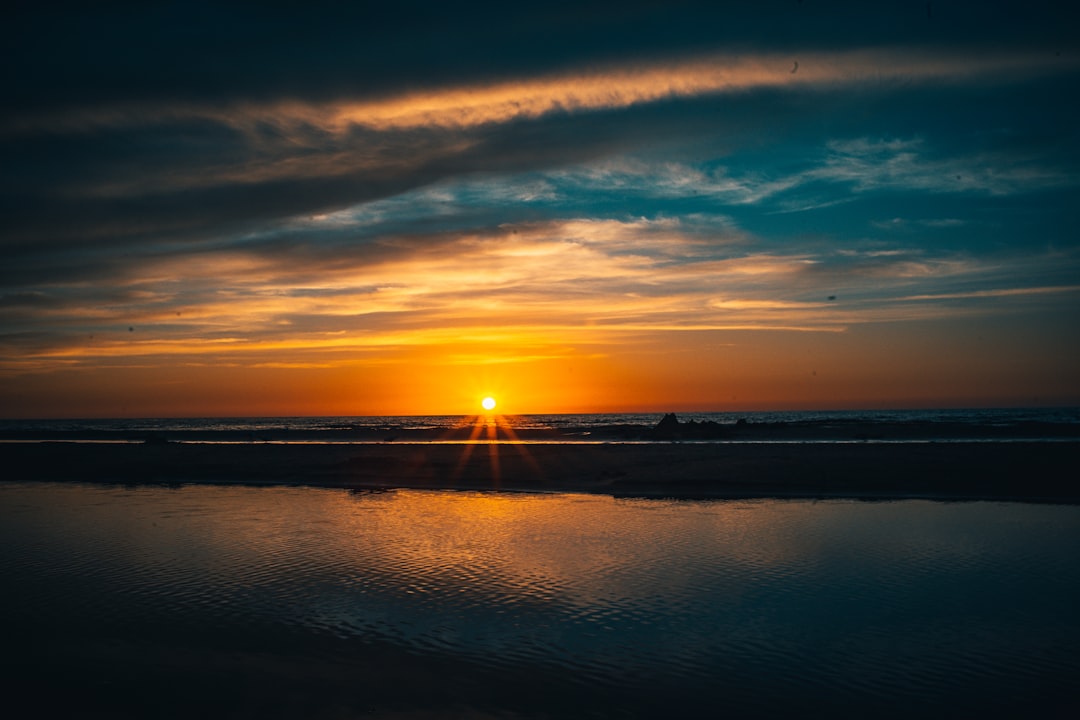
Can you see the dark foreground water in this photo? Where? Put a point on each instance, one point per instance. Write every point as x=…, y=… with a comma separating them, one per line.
x=298, y=602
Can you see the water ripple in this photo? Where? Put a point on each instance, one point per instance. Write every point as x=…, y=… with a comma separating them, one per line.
x=614, y=604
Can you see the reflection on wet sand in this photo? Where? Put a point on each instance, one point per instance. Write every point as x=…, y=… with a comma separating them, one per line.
x=387, y=604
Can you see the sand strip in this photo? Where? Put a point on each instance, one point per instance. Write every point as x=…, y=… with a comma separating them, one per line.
x=1032, y=471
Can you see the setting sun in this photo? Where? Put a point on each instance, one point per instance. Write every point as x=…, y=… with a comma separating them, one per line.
x=488, y=403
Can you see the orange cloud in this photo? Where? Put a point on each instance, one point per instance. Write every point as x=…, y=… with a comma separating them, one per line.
x=604, y=88
x=524, y=294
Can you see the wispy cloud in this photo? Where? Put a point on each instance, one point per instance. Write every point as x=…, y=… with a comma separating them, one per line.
x=899, y=223
x=902, y=164
x=556, y=287
x=670, y=180
x=607, y=88
x=860, y=165
x=996, y=293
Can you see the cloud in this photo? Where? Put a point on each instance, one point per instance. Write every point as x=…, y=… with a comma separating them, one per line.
x=996, y=293
x=529, y=98
x=861, y=165
x=899, y=223
x=124, y=173
x=371, y=192
x=541, y=288
x=902, y=164
x=668, y=179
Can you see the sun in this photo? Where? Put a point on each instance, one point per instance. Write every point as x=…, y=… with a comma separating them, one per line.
x=488, y=403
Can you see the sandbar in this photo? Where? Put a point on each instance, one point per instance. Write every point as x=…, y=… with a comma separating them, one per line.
x=1031, y=471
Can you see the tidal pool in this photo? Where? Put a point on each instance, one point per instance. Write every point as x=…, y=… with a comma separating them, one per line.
x=303, y=602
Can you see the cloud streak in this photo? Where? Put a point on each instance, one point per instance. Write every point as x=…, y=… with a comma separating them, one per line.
x=604, y=281
x=529, y=98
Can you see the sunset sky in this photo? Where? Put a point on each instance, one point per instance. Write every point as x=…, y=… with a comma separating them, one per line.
x=348, y=209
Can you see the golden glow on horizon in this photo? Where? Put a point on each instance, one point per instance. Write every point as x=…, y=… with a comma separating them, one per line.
x=596, y=362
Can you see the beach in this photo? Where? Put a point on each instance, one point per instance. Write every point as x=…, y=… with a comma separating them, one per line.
x=1018, y=470
x=345, y=572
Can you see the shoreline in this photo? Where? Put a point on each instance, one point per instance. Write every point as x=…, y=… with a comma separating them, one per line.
x=1017, y=470
x=476, y=429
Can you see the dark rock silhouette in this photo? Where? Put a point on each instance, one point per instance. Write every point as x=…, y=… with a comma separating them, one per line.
x=669, y=428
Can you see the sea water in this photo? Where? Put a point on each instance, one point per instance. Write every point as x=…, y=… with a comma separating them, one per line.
x=982, y=416
x=303, y=602
x=1029, y=422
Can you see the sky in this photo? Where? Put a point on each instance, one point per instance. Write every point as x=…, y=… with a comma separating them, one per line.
x=315, y=208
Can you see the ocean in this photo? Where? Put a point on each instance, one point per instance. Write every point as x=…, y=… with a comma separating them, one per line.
x=803, y=426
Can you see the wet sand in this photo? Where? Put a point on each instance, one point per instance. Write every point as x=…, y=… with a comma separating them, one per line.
x=1022, y=470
